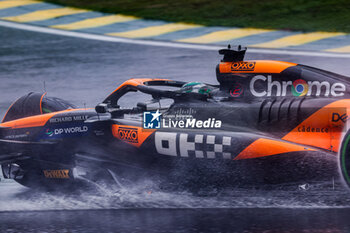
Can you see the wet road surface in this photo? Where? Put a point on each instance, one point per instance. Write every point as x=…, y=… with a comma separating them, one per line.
x=179, y=220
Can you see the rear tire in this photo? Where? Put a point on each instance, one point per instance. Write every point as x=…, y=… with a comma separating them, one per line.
x=344, y=157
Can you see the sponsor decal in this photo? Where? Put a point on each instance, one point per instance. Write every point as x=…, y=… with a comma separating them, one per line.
x=67, y=131
x=237, y=90
x=185, y=112
x=299, y=87
x=195, y=145
x=151, y=120
x=17, y=136
x=99, y=132
x=310, y=129
x=243, y=66
x=56, y=174
x=128, y=134
x=68, y=119
x=132, y=135
x=71, y=130
x=337, y=117
x=49, y=132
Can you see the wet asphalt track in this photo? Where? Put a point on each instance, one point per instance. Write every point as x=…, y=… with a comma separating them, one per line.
x=85, y=72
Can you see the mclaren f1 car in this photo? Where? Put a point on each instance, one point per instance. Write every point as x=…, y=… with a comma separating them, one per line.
x=265, y=122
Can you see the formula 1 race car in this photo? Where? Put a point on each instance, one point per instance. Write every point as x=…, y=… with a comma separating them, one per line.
x=267, y=122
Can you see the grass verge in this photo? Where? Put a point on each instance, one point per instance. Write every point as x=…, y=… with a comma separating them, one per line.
x=301, y=15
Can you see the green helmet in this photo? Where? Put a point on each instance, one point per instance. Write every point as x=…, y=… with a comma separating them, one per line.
x=196, y=87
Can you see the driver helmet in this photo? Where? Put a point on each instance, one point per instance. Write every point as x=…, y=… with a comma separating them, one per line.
x=196, y=87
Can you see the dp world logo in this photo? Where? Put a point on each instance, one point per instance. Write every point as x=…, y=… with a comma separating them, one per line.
x=151, y=120
x=49, y=132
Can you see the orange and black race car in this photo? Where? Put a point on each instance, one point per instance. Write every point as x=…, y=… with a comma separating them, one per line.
x=266, y=122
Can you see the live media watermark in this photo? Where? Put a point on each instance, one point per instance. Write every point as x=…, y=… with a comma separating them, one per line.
x=178, y=119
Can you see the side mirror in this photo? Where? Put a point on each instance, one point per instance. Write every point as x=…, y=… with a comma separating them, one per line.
x=101, y=108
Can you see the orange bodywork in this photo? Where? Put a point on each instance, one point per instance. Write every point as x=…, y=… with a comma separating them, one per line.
x=33, y=121
x=319, y=130
x=330, y=133
x=265, y=147
x=131, y=134
x=41, y=102
x=263, y=66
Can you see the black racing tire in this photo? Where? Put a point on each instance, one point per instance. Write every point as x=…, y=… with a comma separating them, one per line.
x=344, y=159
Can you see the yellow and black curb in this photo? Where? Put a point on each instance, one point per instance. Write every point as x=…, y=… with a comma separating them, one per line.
x=73, y=19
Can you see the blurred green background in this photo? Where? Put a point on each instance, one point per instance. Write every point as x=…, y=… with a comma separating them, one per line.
x=301, y=15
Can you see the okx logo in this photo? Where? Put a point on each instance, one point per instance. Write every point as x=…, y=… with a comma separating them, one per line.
x=151, y=120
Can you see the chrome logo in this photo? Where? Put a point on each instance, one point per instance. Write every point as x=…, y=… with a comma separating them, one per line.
x=300, y=87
